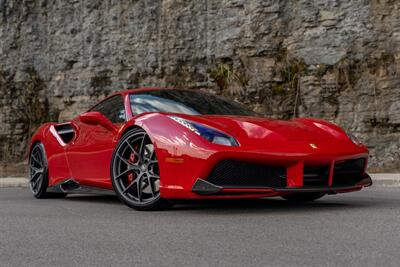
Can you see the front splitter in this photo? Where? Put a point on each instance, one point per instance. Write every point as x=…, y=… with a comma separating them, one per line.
x=202, y=187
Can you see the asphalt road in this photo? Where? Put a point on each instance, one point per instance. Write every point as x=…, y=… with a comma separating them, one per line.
x=358, y=229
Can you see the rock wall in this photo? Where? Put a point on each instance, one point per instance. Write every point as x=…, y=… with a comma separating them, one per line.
x=338, y=60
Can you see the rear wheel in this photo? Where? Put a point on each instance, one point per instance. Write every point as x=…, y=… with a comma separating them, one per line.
x=135, y=173
x=38, y=173
x=303, y=197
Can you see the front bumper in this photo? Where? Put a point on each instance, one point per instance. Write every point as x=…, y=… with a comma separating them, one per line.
x=181, y=173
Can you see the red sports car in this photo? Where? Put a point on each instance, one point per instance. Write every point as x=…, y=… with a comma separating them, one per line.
x=152, y=146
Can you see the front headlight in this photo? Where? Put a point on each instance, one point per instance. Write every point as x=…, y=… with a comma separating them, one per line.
x=207, y=133
x=354, y=139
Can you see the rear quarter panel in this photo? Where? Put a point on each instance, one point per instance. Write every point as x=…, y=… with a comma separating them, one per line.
x=57, y=162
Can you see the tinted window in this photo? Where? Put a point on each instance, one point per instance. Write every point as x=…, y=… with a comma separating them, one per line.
x=113, y=108
x=187, y=102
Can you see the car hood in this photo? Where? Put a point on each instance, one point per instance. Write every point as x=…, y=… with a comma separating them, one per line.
x=261, y=131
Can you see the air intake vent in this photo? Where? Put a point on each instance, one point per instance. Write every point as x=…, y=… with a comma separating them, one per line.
x=66, y=132
x=348, y=172
x=316, y=176
x=239, y=174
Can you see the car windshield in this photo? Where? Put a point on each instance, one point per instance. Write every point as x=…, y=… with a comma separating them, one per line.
x=187, y=102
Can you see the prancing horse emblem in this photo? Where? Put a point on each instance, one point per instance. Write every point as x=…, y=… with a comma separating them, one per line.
x=313, y=146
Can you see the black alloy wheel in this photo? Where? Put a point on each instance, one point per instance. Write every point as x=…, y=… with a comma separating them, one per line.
x=38, y=173
x=135, y=172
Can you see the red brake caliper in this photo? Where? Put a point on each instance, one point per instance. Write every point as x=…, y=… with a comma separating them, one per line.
x=131, y=176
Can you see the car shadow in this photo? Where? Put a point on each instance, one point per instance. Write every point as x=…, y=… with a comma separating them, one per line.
x=240, y=205
x=109, y=199
x=257, y=205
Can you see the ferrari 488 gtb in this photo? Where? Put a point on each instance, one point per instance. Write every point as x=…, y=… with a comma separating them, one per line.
x=152, y=146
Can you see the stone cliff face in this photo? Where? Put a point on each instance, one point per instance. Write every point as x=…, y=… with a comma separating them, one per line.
x=338, y=60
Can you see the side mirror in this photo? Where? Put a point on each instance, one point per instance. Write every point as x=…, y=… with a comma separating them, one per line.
x=96, y=118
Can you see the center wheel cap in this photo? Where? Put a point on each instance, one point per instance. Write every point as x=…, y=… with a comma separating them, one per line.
x=143, y=167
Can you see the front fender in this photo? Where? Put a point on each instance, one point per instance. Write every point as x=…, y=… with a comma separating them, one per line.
x=180, y=152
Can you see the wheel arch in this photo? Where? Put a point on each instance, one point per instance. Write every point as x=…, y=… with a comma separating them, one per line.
x=39, y=137
x=129, y=128
x=33, y=144
x=140, y=124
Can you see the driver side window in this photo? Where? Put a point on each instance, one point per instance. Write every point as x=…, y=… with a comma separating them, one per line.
x=113, y=108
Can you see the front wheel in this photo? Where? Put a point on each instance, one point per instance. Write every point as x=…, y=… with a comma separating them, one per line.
x=135, y=172
x=303, y=197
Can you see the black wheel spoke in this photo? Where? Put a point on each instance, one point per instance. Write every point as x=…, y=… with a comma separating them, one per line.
x=35, y=177
x=139, y=187
x=37, y=170
x=155, y=176
x=35, y=159
x=123, y=173
x=153, y=161
x=131, y=148
x=152, y=155
x=124, y=160
x=151, y=186
x=37, y=181
x=38, y=156
x=142, y=145
x=129, y=186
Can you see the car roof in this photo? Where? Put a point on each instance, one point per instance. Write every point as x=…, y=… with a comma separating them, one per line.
x=129, y=91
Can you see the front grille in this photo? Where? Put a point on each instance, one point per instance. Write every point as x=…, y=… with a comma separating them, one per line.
x=348, y=172
x=239, y=174
x=316, y=176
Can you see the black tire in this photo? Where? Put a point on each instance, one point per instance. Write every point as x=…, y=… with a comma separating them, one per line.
x=39, y=173
x=303, y=197
x=135, y=169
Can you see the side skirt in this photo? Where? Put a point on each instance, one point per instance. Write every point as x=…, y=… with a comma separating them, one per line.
x=71, y=186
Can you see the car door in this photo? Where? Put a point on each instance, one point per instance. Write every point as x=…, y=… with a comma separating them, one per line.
x=89, y=155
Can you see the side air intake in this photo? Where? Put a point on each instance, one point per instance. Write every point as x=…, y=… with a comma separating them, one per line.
x=66, y=132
